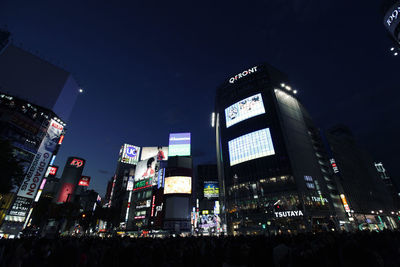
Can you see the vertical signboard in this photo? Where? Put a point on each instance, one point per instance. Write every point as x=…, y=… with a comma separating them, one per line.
x=36, y=171
x=179, y=144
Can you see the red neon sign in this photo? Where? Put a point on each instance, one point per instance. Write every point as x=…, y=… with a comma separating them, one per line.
x=53, y=170
x=61, y=139
x=84, y=181
x=77, y=163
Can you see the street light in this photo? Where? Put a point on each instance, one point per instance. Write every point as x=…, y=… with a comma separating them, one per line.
x=392, y=48
x=80, y=90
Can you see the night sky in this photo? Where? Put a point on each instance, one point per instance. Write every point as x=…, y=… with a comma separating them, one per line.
x=152, y=68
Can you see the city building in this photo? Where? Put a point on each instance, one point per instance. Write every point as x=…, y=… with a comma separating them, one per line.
x=272, y=176
x=70, y=180
x=153, y=194
x=367, y=196
x=36, y=100
x=206, y=219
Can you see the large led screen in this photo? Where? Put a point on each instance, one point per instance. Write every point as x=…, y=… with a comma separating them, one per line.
x=251, y=146
x=244, y=109
x=179, y=144
x=178, y=185
x=211, y=189
x=146, y=169
x=160, y=151
x=129, y=154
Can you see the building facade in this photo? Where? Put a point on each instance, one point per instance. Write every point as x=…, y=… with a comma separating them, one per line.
x=269, y=170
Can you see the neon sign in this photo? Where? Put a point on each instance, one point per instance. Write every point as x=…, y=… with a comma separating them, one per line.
x=77, y=163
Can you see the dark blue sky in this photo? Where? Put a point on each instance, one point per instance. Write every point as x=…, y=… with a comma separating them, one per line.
x=151, y=68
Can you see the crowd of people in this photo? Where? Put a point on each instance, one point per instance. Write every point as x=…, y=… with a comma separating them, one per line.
x=321, y=249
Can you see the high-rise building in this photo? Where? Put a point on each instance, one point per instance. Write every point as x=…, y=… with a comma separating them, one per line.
x=271, y=173
x=36, y=99
x=365, y=192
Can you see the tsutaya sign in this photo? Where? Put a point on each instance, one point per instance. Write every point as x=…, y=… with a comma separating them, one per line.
x=289, y=213
x=243, y=74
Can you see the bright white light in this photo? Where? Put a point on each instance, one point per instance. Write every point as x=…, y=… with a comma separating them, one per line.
x=391, y=49
x=288, y=87
x=213, y=119
x=282, y=84
x=380, y=211
x=295, y=91
x=81, y=90
x=372, y=212
x=396, y=54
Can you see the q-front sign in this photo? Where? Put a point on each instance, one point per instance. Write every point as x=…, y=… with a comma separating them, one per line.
x=288, y=213
x=393, y=16
x=242, y=74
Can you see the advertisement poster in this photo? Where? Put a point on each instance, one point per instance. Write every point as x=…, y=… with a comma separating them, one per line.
x=38, y=168
x=178, y=185
x=244, y=109
x=179, y=144
x=161, y=152
x=211, y=189
x=146, y=169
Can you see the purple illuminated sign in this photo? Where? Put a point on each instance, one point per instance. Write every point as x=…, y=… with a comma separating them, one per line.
x=179, y=144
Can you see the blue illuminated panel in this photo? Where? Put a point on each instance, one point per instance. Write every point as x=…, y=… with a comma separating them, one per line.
x=251, y=146
x=244, y=109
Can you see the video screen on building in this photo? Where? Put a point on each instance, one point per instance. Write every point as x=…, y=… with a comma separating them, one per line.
x=178, y=185
x=129, y=154
x=179, y=144
x=244, y=109
x=146, y=169
x=251, y=146
x=161, y=152
x=211, y=189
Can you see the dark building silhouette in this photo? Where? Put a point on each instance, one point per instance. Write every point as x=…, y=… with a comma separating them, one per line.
x=365, y=191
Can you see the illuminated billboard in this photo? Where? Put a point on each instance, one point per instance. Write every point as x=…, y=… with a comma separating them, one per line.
x=37, y=170
x=244, y=109
x=146, y=169
x=179, y=144
x=178, y=185
x=211, y=189
x=251, y=146
x=160, y=151
x=84, y=181
x=129, y=154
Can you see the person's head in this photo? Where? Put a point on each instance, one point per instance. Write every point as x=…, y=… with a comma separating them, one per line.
x=149, y=162
x=159, y=148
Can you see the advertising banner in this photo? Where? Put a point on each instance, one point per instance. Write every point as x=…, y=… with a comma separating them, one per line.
x=244, y=109
x=179, y=144
x=146, y=169
x=129, y=154
x=211, y=189
x=161, y=152
x=178, y=185
x=36, y=171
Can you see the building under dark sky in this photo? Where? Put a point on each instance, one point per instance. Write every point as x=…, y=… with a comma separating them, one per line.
x=149, y=70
